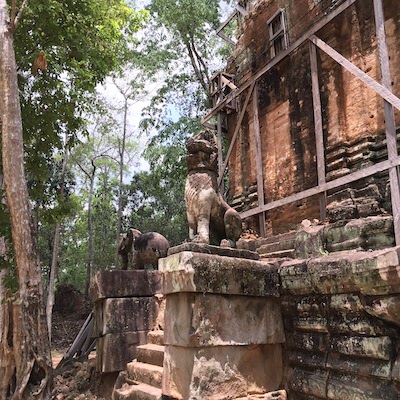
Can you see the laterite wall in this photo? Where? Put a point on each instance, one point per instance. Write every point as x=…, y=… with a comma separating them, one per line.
x=353, y=120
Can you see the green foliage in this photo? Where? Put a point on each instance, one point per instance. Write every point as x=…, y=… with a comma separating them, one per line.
x=73, y=252
x=182, y=43
x=84, y=42
x=156, y=197
x=104, y=221
x=187, y=19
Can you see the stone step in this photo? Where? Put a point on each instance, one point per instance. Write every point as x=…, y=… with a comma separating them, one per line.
x=275, y=261
x=150, y=354
x=276, y=246
x=156, y=337
x=145, y=373
x=140, y=391
x=289, y=253
x=287, y=236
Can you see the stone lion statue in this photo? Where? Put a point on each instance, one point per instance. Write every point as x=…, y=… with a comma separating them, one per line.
x=211, y=220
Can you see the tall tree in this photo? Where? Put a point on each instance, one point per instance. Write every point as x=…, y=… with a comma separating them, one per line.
x=87, y=157
x=32, y=359
x=184, y=48
x=56, y=244
x=72, y=46
x=130, y=91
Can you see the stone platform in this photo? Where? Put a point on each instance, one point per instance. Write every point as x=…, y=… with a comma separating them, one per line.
x=127, y=305
x=223, y=326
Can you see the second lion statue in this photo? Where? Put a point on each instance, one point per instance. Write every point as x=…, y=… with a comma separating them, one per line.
x=211, y=220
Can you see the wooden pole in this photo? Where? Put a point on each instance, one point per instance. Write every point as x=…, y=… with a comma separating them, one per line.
x=220, y=156
x=319, y=135
x=357, y=72
x=390, y=123
x=344, y=180
x=235, y=133
x=259, y=163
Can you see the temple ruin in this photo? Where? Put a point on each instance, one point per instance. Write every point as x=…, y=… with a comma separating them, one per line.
x=309, y=309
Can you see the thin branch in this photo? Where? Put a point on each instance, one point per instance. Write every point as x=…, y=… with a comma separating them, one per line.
x=201, y=62
x=19, y=15
x=81, y=168
x=107, y=155
x=197, y=70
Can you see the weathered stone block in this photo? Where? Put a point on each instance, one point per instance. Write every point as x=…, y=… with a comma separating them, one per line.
x=222, y=372
x=310, y=242
x=380, y=348
x=396, y=367
x=385, y=307
x=346, y=303
x=306, y=358
x=371, y=272
x=305, y=313
x=310, y=341
x=247, y=244
x=366, y=233
x=275, y=395
x=309, y=323
x=359, y=366
x=309, y=382
x=205, y=273
x=345, y=387
x=114, y=351
x=132, y=283
x=359, y=324
x=125, y=315
x=195, y=320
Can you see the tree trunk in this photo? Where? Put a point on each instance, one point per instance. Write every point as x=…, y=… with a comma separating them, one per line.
x=33, y=364
x=121, y=177
x=7, y=360
x=57, y=234
x=90, y=232
x=51, y=285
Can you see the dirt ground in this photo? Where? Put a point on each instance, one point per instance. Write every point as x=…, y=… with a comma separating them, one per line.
x=76, y=380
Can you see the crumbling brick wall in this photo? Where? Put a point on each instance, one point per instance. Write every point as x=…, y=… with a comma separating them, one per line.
x=353, y=120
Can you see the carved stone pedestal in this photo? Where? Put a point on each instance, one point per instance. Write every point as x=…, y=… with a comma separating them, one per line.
x=223, y=326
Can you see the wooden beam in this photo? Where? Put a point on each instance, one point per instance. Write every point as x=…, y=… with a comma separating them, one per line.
x=344, y=180
x=283, y=54
x=210, y=126
x=235, y=133
x=319, y=134
x=226, y=22
x=357, y=72
x=241, y=9
x=227, y=82
x=220, y=155
x=226, y=38
x=259, y=163
x=390, y=123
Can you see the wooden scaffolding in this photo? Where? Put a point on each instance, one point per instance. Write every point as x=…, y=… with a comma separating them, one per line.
x=225, y=94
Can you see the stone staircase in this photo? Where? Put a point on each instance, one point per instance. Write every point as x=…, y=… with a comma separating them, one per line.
x=142, y=379
x=278, y=246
